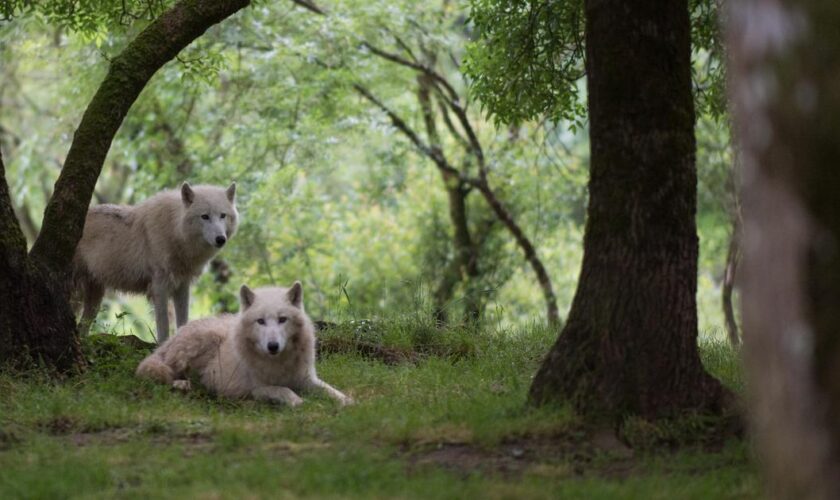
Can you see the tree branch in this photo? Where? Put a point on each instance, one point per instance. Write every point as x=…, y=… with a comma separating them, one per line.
x=128, y=74
x=452, y=94
x=310, y=6
x=525, y=244
x=12, y=242
x=447, y=120
x=434, y=153
x=449, y=98
x=447, y=92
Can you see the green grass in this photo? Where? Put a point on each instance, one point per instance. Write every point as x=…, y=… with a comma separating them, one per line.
x=443, y=427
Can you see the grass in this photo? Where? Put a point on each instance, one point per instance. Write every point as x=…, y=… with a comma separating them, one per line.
x=451, y=424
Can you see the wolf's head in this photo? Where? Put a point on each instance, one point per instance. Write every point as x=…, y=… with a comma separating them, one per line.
x=271, y=319
x=209, y=213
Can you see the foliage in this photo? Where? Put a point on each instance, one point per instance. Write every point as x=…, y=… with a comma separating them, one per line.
x=89, y=18
x=709, y=69
x=527, y=58
x=329, y=193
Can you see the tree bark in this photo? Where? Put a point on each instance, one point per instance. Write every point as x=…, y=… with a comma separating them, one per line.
x=629, y=345
x=785, y=81
x=37, y=323
x=35, y=314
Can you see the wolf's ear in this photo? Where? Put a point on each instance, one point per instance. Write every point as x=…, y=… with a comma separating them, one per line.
x=295, y=295
x=187, y=194
x=231, y=192
x=246, y=297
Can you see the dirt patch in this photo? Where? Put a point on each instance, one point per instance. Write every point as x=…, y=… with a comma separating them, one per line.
x=8, y=437
x=369, y=350
x=289, y=448
x=81, y=435
x=101, y=437
x=562, y=455
x=59, y=426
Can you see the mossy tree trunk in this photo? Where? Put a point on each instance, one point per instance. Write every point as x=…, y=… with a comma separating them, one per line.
x=36, y=321
x=786, y=89
x=35, y=317
x=629, y=345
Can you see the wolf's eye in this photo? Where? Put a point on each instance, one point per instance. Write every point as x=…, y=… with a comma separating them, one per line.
x=281, y=319
x=261, y=321
x=223, y=216
x=205, y=217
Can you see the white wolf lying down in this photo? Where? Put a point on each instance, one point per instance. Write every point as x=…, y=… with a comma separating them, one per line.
x=156, y=247
x=267, y=351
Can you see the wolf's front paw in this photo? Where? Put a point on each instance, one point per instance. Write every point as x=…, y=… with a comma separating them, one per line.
x=347, y=401
x=294, y=400
x=182, y=385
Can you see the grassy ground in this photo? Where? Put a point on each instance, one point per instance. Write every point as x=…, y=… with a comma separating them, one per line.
x=449, y=422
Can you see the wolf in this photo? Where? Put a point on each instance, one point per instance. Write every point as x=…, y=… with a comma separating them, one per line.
x=266, y=352
x=156, y=247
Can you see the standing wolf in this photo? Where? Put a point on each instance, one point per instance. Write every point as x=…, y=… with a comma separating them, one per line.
x=157, y=247
x=267, y=351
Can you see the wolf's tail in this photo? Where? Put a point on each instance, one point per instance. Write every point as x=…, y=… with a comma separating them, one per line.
x=154, y=368
x=79, y=279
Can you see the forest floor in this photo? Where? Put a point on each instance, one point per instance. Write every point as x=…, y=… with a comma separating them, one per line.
x=438, y=414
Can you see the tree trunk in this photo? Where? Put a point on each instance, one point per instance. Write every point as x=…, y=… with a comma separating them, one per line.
x=36, y=322
x=629, y=345
x=464, y=268
x=35, y=313
x=733, y=257
x=785, y=81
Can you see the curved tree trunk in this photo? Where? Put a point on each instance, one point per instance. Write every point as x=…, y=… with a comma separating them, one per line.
x=629, y=345
x=36, y=319
x=785, y=81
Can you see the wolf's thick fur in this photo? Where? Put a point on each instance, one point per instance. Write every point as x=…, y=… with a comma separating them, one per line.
x=267, y=351
x=156, y=247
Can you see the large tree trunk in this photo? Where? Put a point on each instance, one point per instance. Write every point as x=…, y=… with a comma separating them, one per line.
x=786, y=76
x=629, y=345
x=36, y=321
x=35, y=313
